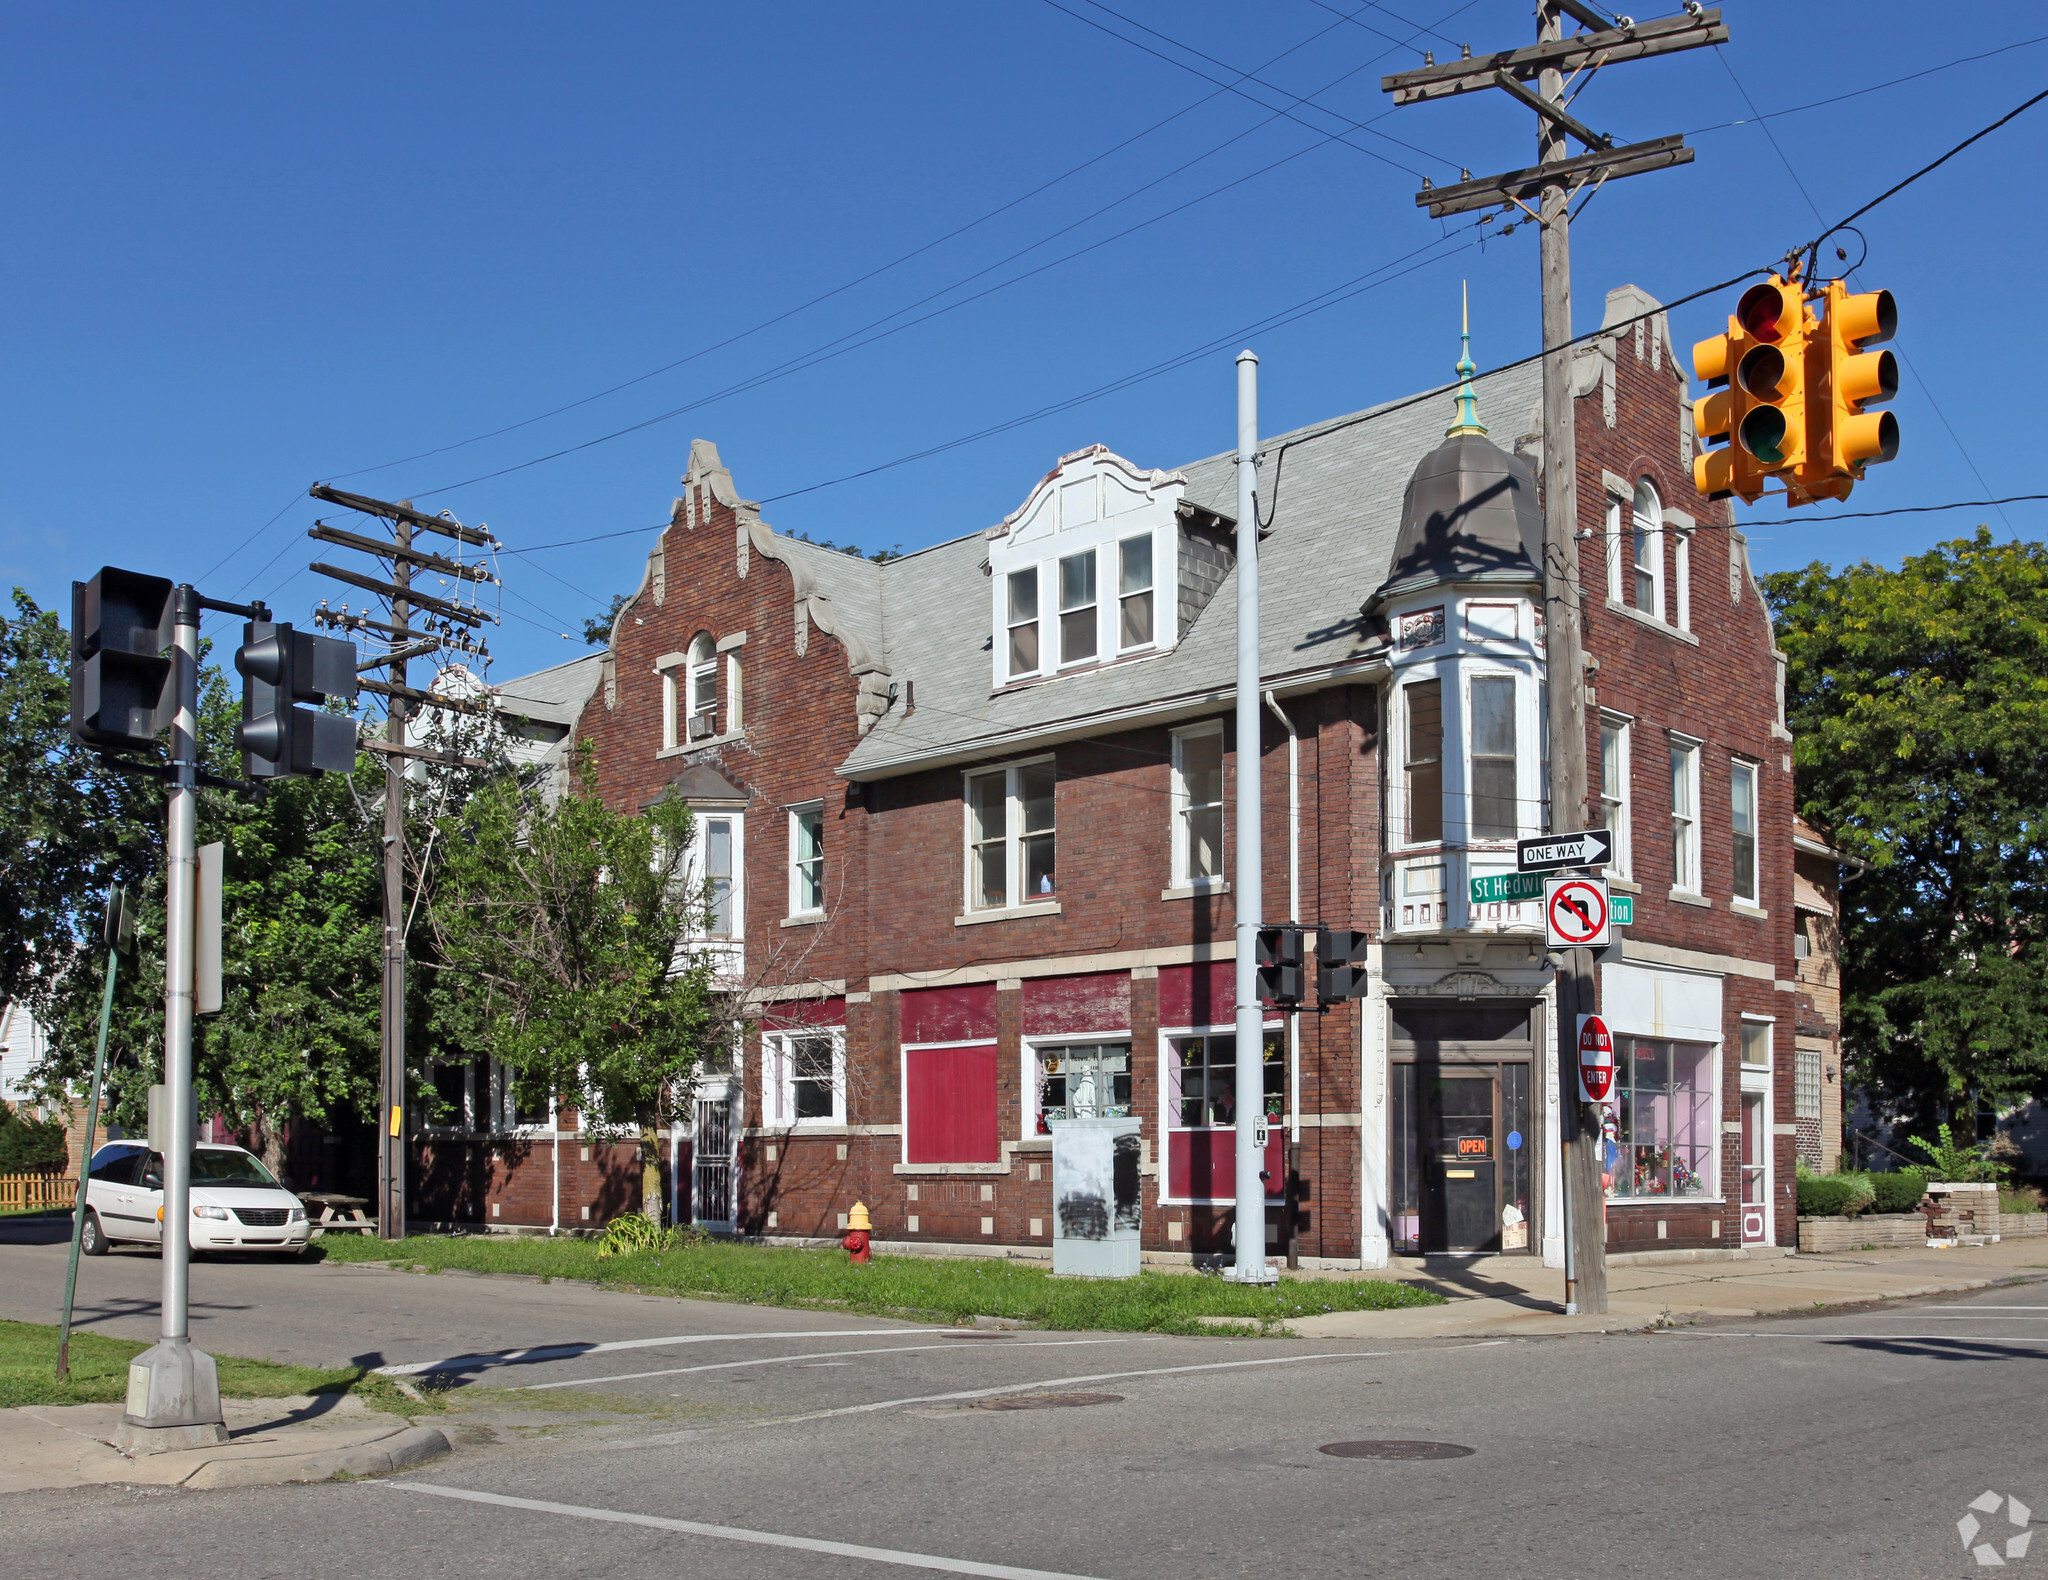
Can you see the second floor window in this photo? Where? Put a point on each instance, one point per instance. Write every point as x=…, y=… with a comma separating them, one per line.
x=806, y=860
x=718, y=839
x=1424, y=700
x=1198, y=805
x=1134, y=593
x=1010, y=836
x=1685, y=818
x=1742, y=811
x=1493, y=758
x=1077, y=608
x=1023, y=622
x=1614, y=789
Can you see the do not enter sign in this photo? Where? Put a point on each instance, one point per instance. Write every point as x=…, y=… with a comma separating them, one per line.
x=1575, y=913
x=1596, y=1059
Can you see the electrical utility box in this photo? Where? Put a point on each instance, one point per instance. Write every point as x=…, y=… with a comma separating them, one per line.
x=1097, y=1204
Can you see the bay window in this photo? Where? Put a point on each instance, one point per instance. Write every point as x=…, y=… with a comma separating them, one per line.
x=1424, y=701
x=1198, y=806
x=1010, y=836
x=1493, y=796
x=1077, y=608
x=1134, y=593
x=1659, y=1133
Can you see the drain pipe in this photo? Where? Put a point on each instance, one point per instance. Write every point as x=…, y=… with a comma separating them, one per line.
x=1290, y=1202
x=555, y=1203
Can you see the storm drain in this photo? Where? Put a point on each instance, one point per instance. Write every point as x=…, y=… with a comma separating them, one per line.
x=1045, y=1401
x=1394, y=1448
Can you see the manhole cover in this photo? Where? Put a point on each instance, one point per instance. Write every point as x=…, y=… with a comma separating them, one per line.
x=1396, y=1449
x=1045, y=1401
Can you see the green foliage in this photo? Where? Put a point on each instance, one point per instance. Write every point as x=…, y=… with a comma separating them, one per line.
x=634, y=1232
x=99, y=1372
x=1953, y=1161
x=1919, y=703
x=29, y=1145
x=2020, y=1199
x=1900, y=1192
x=597, y=630
x=938, y=1288
x=1834, y=1195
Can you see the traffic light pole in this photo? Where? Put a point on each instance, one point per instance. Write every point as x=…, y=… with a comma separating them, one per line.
x=391, y=1182
x=174, y=1389
x=1249, y=1263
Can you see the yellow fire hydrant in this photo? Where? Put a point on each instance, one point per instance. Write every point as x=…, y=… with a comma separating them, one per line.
x=858, y=1229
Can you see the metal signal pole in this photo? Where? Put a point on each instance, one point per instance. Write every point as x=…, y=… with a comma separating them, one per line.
x=1553, y=63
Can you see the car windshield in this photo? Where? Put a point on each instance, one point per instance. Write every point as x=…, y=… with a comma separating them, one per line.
x=228, y=1166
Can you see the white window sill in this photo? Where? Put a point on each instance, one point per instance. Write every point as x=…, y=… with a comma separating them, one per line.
x=1688, y=897
x=951, y=1168
x=807, y=919
x=1666, y=1201
x=1650, y=620
x=1010, y=914
x=701, y=743
x=1627, y=885
x=1744, y=908
x=1193, y=890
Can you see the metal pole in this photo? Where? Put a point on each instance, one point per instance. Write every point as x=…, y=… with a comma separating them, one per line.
x=173, y=1389
x=1249, y=1265
x=391, y=1143
x=1564, y=691
x=92, y=1123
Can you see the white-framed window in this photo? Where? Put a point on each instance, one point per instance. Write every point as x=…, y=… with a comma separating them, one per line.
x=700, y=689
x=803, y=1076
x=1198, y=806
x=1616, y=549
x=1663, y=1139
x=1742, y=810
x=1614, y=789
x=1086, y=1079
x=1021, y=614
x=1756, y=1042
x=1079, y=637
x=716, y=869
x=1422, y=703
x=1134, y=593
x=732, y=693
x=1010, y=836
x=1646, y=551
x=1681, y=578
x=1493, y=798
x=1685, y=815
x=807, y=859
x=485, y=1097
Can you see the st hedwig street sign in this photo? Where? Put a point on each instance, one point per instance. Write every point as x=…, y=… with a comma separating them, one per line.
x=1512, y=887
x=1550, y=852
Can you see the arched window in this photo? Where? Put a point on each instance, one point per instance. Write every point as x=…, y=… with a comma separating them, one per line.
x=1646, y=550
x=701, y=687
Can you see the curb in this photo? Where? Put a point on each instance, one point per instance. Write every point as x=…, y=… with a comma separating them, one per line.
x=413, y=1446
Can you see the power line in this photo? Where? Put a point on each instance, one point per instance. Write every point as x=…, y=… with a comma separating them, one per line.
x=1898, y=510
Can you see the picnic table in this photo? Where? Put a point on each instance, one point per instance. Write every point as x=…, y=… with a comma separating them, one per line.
x=332, y=1212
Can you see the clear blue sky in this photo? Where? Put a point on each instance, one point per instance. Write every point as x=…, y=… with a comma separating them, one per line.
x=254, y=246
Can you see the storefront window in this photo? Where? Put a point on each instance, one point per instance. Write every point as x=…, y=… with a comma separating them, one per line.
x=1659, y=1131
x=1090, y=1080
x=1205, y=1073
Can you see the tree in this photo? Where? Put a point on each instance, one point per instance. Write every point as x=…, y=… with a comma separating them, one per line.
x=597, y=628
x=565, y=926
x=1919, y=703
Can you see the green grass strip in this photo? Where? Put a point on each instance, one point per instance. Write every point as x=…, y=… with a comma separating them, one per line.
x=938, y=1289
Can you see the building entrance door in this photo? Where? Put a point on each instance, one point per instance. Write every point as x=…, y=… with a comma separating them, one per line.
x=713, y=1162
x=1755, y=1176
x=1463, y=1144
x=1460, y=1168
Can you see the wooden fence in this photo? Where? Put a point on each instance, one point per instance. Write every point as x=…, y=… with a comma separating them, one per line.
x=19, y=1191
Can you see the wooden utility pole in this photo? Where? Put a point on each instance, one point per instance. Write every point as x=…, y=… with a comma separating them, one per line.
x=407, y=643
x=1554, y=63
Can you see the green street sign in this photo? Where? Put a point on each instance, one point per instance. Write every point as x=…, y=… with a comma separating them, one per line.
x=1621, y=910
x=1507, y=886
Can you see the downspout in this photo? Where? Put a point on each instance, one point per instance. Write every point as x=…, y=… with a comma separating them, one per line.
x=1293, y=904
x=555, y=1203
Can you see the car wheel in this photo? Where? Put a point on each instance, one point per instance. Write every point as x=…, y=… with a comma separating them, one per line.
x=92, y=1239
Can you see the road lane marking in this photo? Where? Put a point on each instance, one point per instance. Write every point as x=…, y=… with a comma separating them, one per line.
x=1967, y=1314
x=809, y=1356
x=1931, y=1338
x=535, y=1354
x=734, y=1533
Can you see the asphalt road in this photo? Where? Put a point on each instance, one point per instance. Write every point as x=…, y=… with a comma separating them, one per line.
x=646, y=1436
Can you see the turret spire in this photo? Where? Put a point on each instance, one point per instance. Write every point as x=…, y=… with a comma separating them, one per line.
x=1468, y=397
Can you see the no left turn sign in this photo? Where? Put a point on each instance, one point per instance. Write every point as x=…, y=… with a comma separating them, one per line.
x=1575, y=913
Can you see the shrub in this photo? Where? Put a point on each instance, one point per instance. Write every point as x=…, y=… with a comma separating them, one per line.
x=2020, y=1199
x=1833, y=1195
x=636, y=1232
x=29, y=1145
x=1954, y=1161
x=1900, y=1192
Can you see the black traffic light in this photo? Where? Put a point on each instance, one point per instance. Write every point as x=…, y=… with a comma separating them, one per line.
x=280, y=668
x=122, y=694
x=1340, y=964
x=1279, y=959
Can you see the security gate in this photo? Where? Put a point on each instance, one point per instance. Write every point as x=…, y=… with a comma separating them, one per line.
x=714, y=1168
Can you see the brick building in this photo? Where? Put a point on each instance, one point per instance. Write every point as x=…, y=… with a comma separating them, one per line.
x=963, y=823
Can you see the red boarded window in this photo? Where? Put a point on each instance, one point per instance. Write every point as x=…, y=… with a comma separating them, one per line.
x=951, y=1105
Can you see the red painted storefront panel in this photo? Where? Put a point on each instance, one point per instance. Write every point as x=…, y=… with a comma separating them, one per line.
x=948, y=1014
x=1204, y=994
x=950, y=1105
x=1070, y=1006
x=1202, y=1164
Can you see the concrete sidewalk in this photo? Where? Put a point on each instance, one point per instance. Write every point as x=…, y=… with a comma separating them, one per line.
x=270, y=1441
x=1505, y=1295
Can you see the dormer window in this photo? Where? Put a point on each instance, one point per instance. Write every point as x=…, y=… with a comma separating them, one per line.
x=1077, y=608
x=1023, y=621
x=1134, y=593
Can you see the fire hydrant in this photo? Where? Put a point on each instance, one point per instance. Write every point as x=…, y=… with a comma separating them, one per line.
x=855, y=1240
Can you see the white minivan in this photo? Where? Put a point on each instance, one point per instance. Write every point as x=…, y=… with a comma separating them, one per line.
x=236, y=1204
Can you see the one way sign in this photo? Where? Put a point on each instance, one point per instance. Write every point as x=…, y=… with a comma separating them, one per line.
x=1549, y=852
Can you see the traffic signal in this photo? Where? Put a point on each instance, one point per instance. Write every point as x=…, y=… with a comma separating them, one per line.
x=281, y=668
x=1340, y=964
x=1279, y=959
x=1729, y=469
x=1843, y=378
x=122, y=693
x=1759, y=367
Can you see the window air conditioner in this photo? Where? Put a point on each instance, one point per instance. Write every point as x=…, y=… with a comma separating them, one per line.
x=703, y=725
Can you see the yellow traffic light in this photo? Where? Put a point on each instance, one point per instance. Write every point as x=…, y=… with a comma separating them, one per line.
x=1769, y=377
x=1728, y=470
x=1843, y=378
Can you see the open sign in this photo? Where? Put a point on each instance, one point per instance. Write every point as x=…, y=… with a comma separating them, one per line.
x=1473, y=1147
